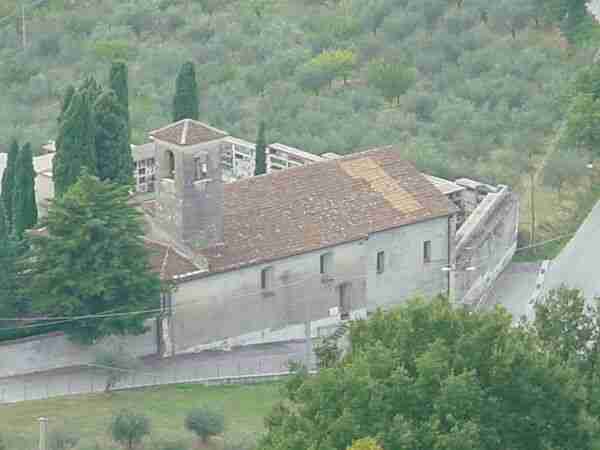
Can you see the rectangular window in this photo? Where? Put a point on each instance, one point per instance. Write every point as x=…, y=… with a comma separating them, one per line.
x=201, y=169
x=265, y=277
x=326, y=263
x=380, y=262
x=345, y=301
x=427, y=251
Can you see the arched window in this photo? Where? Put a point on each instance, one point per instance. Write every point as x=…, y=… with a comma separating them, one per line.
x=170, y=173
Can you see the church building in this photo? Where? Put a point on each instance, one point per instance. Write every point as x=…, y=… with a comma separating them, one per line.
x=256, y=259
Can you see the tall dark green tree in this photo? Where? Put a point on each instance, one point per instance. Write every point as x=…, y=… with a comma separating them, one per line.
x=93, y=260
x=113, y=152
x=8, y=265
x=75, y=145
x=118, y=81
x=185, y=101
x=24, y=204
x=8, y=183
x=66, y=102
x=261, y=151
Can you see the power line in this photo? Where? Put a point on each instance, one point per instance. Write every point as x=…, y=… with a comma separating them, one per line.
x=57, y=320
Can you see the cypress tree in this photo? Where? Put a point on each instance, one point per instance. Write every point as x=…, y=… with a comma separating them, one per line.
x=118, y=80
x=66, y=102
x=92, y=88
x=3, y=224
x=113, y=152
x=8, y=183
x=75, y=146
x=8, y=265
x=185, y=102
x=261, y=151
x=25, y=208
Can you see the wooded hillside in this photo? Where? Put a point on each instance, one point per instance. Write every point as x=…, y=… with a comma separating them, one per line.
x=465, y=86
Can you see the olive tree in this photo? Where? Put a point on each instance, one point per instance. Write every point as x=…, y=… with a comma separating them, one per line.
x=204, y=423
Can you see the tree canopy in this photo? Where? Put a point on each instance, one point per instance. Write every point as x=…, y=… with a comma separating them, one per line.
x=431, y=375
x=75, y=145
x=24, y=205
x=113, y=152
x=261, y=151
x=93, y=260
x=185, y=101
x=8, y=184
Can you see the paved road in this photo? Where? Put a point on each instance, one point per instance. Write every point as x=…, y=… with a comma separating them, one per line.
x=514, y=287
x=260, y=359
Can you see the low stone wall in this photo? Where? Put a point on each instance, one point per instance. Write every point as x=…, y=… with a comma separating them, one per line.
x=55, y=351
x=485, y=245
x=319, y=329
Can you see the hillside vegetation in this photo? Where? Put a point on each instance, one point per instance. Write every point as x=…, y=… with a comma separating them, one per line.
x=88, y=416
x=481, y=78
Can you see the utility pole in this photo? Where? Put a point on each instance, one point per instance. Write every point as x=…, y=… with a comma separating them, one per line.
x=43, y=430
x=308, y=344
x=23, y=26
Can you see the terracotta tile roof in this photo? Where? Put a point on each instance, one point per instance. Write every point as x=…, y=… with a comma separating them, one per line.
x=322, y=204
x=164, y=259
x=167, y=262
x=188, y=132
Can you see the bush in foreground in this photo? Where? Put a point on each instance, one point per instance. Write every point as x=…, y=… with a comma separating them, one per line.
x=205, y=423
x=128, y=428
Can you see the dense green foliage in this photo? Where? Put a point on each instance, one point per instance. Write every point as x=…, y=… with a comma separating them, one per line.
x=24, y=204
x=261, y=151
x=8, y=184
x=205, y=423
x=476, y=87
x=112, y=149
x=8, y=263
x=431, y=375
x=185, y=100
x=75, y=145
x=119, y=83
x=93, y=261
x=128, y=428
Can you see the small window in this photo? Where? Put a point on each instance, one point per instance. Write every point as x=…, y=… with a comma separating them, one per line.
x=326, y=263
x=201, y=169
x=345, y=300
x=170, y=164
x=265, y=278
x=427, y=251
x=380, y=262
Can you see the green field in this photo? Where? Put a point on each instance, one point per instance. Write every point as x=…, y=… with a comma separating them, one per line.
x=88, y=416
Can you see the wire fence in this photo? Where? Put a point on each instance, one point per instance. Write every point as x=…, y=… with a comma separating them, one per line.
x=92, y=378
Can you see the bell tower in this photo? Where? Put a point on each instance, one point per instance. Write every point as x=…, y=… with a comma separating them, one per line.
x=189, y=188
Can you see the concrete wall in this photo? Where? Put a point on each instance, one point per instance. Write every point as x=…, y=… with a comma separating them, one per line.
x=485, y=244
x=55, y=351
x=406, y=273
x=231, y=309
x=232, y=304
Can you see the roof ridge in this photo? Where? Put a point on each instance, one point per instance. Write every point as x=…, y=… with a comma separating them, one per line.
x=158, y=130
x=186, y=127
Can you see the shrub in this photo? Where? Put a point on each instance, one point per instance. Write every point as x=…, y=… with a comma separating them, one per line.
x=205, y=423
x=118, y=365
x=62, y=439
x=128, y=428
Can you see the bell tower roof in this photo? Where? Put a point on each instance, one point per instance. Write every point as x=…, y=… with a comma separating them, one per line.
x=187, y=132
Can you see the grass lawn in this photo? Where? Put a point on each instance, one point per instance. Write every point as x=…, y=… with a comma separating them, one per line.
x=89, y=415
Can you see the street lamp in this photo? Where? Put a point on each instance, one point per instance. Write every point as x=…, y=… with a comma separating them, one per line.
x=454, y=269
